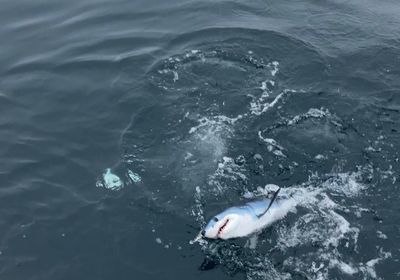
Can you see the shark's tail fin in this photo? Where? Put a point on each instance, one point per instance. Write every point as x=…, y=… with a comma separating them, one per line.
x=270, y=204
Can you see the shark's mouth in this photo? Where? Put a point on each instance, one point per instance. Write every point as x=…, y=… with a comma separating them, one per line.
x=222, y=227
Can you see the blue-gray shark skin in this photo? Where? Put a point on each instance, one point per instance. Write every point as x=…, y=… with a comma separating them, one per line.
x=244, y=220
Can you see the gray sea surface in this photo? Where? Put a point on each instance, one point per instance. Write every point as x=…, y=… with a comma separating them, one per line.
x=126, y=125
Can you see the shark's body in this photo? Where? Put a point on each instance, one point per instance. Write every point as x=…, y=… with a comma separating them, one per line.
x=250, y=218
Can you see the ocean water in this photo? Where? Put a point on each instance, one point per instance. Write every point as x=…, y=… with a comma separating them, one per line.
x=126, y=125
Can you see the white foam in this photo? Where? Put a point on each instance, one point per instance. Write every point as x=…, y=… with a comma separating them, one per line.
x=369, y=267
x=270, y=141
x=135, y=178
x=227, y=169
x=188, y=155
x=176, y=76
x=312, y=113
x=359, y=210
x=272, y=145
x=110, y=181
x=275, y=67
x=344, y=267
x=260, y=105
x=217, y=123
x=345, y=183
x=210, y=135
x=264, y=85
x=381, y=234
x=320, y=157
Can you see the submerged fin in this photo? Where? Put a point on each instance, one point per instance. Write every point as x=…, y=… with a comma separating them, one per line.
x=270, y=204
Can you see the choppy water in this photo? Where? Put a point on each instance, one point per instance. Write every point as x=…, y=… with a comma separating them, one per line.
x=126, y=125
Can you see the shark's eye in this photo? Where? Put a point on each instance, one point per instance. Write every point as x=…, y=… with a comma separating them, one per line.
x=215, y=219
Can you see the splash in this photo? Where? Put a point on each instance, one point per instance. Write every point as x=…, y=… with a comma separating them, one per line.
x=319, y=233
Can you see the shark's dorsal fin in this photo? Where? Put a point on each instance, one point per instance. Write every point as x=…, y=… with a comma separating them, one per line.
x=270, y=204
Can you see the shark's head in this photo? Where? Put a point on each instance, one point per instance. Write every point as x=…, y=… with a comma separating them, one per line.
x=222, y=226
